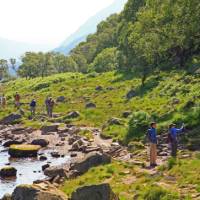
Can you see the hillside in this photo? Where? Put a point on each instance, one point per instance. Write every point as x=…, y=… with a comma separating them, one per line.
x=167, y=97
x=89, y=27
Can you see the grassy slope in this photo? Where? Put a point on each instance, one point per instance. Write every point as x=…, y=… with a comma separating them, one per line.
x=156, y=98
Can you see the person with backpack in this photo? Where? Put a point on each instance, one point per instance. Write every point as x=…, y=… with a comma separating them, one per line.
x=33, y=107
x=152, y=137
x=172, y=138
x=51, y=106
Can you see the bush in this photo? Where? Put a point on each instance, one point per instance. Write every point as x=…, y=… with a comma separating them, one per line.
x=158, y=193
x=138, y=125
x=171, y=163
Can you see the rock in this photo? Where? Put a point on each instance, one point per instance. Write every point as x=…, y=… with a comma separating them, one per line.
x=8, y=172
x=51, y=128
x=45, y=166
x=37, y=192
x=99, y=88
x=126, y=114
x=60, y=99
x=43, y=158
x=90, y=105
x=55, y=154
x=73, y=155
x=23, y=151
x=10, y=119
x=91, y=160
x=11, y=142
x=40, y=142
x=79, y=145
x=94, y=192
x=131, y=94
x=7, y=197
x=55, y=171
x=73, y=114
x=114, y=121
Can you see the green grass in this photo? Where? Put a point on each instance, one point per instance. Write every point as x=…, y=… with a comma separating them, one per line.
x=125, y=181
x=155, y=98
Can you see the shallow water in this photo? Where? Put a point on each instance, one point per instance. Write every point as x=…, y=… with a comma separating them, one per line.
x=28, y=170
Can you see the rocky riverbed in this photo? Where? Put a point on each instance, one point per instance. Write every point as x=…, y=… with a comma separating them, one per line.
x=62, y=149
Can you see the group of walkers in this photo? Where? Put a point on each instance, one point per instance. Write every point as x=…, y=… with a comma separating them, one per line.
x=49, y=103
x=172, y=140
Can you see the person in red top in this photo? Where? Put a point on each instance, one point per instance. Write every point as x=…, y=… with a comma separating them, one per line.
x=17, y=100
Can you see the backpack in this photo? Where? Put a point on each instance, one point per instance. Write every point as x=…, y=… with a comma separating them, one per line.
x=169, y=138
x=33, y=103
x=148, y=135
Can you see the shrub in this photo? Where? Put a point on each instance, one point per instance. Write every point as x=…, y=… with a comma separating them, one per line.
x=158, y=193
x=171, y=163
x=138, y=125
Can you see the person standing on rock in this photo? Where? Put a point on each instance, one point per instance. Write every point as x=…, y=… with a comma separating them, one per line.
x=172, y=138
x=152, y=136
x=17, y=100
x=51, y=106
x=33, y=107
x=47, y=104
x=3, y=101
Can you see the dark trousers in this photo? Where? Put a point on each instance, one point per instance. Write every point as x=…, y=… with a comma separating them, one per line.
x=174, y=148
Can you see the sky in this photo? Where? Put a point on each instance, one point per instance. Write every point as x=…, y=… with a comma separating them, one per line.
x=45, y=21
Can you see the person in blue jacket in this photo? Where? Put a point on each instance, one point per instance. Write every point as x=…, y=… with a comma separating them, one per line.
x=152, y=136
x=173, y=140
x=33, y=107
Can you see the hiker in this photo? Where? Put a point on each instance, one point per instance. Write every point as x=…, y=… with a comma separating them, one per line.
x=3, y=101
x=152, y=137
x=47, y=103
x=172, y=138
x=33, y=107
x=17, y=100
x=51, y=106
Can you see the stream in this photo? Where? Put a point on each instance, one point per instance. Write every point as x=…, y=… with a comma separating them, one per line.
x=28, y=170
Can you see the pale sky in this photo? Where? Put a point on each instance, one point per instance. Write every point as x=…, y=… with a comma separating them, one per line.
x=45, y=21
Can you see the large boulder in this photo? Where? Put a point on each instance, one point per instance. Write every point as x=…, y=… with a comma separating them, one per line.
x=8, y=143
x=60, y=99
x=50, y=128
x=131, y=94
x=23, y=151
x=41, y=142
x=55, y=171
x=73, y=114
x=94, y=192
x=37, y=192
x=8, y=172
x=10, y=119
x=90, y=105
x=92, y=159
x=115, y=121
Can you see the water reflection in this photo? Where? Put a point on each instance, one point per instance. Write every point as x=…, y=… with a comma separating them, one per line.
x=28, y=170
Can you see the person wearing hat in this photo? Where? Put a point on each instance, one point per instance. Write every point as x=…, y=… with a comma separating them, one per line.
x=152, y=137
x=172, y=137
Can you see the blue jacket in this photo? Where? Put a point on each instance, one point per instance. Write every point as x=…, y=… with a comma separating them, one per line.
x=152, y=135
x=174, y=132
x=33, y=103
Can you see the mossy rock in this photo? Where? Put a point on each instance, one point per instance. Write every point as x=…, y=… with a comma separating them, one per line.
x=23, y=151
x=8, y=172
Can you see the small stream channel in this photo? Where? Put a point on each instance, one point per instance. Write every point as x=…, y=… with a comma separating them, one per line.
x=28, y=170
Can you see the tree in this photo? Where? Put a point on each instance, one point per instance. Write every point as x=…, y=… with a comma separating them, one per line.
x=13, y=64
x=105, y=61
